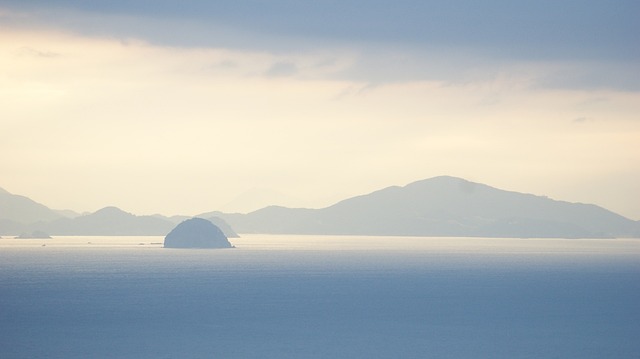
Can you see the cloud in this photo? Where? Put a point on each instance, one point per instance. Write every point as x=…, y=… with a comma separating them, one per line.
x=282, y=69
x=591, y=76
x=546, y=30
x=227, y=64
x=27, y=51
x=590, y=46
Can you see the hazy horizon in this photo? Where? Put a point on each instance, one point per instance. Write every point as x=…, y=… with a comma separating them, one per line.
x=193, y=107
x=260, y=199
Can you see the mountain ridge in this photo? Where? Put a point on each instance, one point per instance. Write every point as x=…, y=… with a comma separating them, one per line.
x=438, y=206
x=21, y=209
x=442, y=206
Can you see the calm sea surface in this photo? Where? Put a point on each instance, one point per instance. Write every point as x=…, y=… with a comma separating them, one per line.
x=320, y=297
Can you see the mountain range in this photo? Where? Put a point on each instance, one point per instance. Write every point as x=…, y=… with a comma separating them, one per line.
x=19, y=215
x=439, y=206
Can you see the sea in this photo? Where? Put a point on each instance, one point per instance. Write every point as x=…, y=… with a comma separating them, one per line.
x=289, y=296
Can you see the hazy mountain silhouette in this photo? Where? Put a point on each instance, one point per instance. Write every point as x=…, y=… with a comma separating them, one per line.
x=34, y=235
x=441, y=206
x=112, y=221
x=67, y=213
x=19, y=215
x=257, y=198
x=109, y=221
x=219, y=222
x=21, y=209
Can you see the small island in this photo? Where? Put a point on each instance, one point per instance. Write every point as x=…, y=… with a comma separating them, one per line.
x=34, y=235
x=196, y=233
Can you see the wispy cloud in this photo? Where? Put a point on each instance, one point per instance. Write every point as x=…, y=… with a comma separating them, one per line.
x=581, y=119
x=28, y=51
x=282, y=69
x=410, y=40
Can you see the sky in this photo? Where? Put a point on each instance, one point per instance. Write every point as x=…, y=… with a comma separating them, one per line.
x=193, y=106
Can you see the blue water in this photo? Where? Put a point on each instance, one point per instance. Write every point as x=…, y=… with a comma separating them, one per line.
x=320, y=297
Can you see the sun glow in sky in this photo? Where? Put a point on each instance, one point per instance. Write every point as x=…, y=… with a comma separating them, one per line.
x=173, y=111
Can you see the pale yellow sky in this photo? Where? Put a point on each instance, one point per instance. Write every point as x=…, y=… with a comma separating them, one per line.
x=88, y=121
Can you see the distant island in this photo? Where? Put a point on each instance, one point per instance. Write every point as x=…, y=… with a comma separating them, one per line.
x=34, y=235
x=19, y=215
x=442, y=206
x=196, y=233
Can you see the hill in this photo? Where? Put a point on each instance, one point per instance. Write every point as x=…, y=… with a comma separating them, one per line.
x=108, y=221
x=21, y=215
x=20, y=209
x=439, y=206
x=442, y=206
x=196, y=233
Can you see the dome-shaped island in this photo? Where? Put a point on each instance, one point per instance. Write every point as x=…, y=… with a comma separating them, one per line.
x=196, y=233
